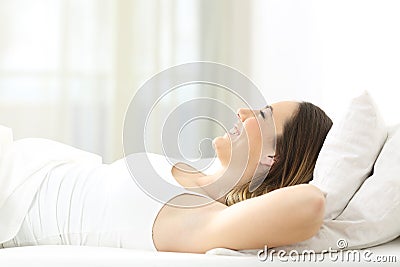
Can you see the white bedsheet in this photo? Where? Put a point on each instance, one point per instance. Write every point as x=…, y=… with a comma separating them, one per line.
x=101, y=256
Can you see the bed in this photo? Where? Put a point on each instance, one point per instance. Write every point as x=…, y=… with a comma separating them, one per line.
x=387, y=254
x=360, y=156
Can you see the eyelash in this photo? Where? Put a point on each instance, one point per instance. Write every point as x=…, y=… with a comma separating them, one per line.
x=262, y=114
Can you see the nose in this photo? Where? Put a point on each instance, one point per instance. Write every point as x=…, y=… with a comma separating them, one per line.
x=245, y=113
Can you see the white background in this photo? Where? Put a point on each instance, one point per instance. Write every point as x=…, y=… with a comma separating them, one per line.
x=68, y=68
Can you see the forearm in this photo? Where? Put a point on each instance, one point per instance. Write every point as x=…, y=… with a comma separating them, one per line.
x=281, y=217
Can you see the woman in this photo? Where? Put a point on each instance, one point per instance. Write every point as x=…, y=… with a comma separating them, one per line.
x=82, y=203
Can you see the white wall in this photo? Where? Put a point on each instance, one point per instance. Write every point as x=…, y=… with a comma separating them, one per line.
x=360, y=41
x=69, y=68
x=328, y=51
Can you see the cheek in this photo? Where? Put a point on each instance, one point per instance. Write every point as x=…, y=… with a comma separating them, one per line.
x=254, y=135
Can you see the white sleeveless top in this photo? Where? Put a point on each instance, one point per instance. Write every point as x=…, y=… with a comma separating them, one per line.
x=94, y=205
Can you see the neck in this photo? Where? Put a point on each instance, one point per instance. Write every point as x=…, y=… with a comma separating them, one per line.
x=215, y=185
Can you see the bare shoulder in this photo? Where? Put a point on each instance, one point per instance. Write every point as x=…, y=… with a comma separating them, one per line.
x=282, y=217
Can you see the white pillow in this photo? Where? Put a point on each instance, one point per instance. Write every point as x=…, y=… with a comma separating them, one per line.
x=374, y=211
x=372, y=217
x=348, y=153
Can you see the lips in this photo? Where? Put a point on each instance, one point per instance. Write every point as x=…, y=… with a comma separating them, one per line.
x=235, y=132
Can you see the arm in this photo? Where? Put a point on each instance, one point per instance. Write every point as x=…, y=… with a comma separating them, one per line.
x=281, y=217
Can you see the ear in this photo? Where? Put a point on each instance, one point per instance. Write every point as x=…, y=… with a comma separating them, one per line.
x=267, y=160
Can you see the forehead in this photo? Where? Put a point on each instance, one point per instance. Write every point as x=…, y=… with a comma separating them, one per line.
x=283, y=111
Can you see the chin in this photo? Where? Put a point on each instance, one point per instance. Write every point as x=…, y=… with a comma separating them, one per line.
x=218, y=142
x=222, y=148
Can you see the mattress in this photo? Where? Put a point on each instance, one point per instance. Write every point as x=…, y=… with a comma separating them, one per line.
x=387, y=254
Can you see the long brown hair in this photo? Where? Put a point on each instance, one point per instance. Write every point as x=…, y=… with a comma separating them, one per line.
x=297, y=149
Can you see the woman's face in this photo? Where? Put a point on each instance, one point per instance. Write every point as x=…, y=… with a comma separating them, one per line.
x=253, y=138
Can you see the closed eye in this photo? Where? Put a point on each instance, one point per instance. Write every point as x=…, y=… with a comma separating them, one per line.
x=262, y=114
x=266, y=107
